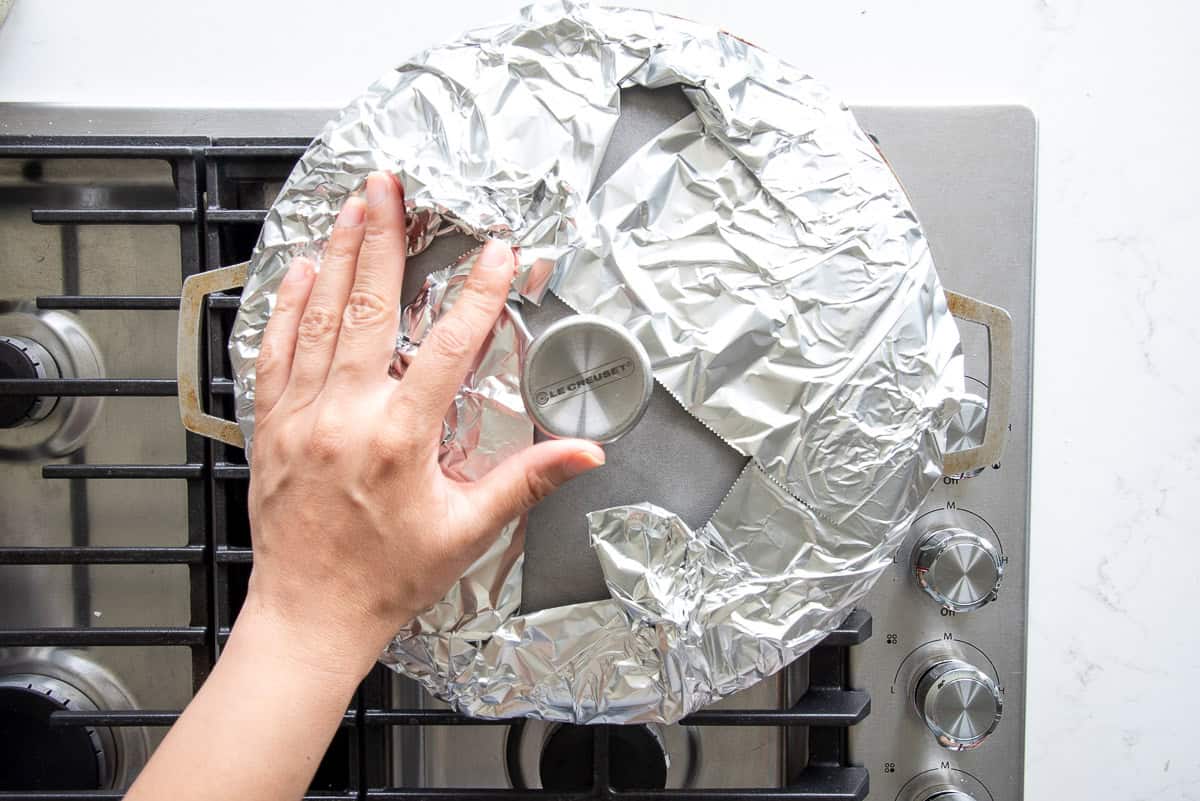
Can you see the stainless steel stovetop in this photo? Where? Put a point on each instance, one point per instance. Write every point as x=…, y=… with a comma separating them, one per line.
x=124, y=546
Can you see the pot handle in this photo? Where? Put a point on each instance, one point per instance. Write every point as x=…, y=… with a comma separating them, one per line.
x=995, y=319
x=1000, y=368
x=187, y=355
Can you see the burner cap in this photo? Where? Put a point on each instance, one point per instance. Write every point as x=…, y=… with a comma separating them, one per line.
x=49, y=345
x=24, y=358
x=635, y=755
x=38, y=756
x=586, y=377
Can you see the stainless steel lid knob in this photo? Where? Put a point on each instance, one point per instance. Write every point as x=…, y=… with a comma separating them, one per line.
x=957, y=568
x=959, y=703
x=586, y=377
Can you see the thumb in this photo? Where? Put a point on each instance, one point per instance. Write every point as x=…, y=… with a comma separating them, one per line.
x=515, y=485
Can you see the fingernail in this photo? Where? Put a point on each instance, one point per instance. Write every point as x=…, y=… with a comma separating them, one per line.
x=583, y=461
x=496, y=253
x=396, y=180
x=352, y=213
x=377, y=188
x=300, y=269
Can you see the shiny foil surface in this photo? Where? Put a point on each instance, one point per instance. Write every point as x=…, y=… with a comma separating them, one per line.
x=762, y=252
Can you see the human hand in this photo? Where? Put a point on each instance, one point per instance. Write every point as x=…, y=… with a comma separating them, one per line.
x=355, y=527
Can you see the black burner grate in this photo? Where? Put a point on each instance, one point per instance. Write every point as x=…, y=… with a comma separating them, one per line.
x=222, y=190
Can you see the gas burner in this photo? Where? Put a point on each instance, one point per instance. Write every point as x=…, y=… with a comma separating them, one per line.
x=46, y=345
x=637, y=758
x=559, y=756
x=24, y=358
x=41, y=755
x=181, y=203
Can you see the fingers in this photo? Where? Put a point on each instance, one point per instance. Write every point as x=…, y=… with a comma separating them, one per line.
x=368, y=331
x=448, y=351
x=518, y=483
x=319, y=325
x=278, y=347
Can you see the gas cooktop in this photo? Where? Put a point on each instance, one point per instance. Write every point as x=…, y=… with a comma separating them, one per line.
x=124, y=545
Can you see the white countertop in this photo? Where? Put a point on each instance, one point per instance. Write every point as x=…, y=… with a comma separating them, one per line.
x=1113, y=656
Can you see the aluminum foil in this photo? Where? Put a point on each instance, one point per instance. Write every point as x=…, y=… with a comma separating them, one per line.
x=763, y=253
x=484, y=426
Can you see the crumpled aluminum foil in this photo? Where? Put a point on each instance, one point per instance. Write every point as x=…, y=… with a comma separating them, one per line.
x=485, y=425
x=763, y=253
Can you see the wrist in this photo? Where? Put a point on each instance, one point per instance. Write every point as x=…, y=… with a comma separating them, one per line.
x=328, y=648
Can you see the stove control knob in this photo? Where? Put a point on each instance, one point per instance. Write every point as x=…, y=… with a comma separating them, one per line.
x=941, y=794
x=21, y=357
x=967, y=428
x=959, y=569
x=959, y=703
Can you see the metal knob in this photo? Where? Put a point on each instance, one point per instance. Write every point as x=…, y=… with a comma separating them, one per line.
x=586, y=377
x=967, y=428
x=940, y=793
x=946, y=784
x=959, y=703
x=957, y=568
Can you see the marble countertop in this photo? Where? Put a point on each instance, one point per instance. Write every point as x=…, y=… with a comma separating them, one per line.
x=1114, y=659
